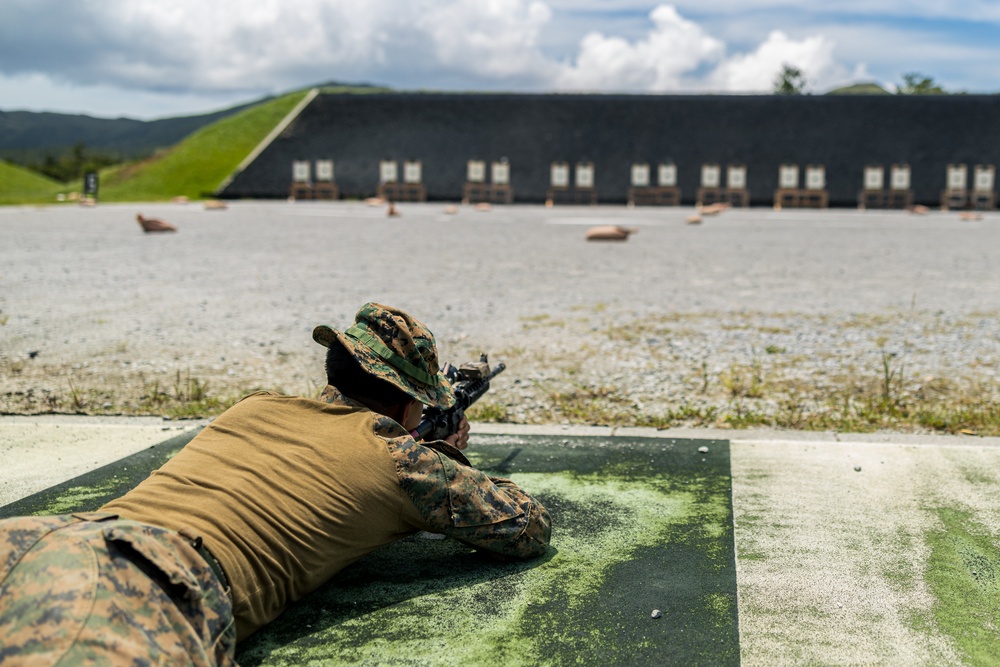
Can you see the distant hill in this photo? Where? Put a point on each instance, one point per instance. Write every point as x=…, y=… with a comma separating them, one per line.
x=27, y=137
x=186, y=156
x=868, y=88
x=22, y=186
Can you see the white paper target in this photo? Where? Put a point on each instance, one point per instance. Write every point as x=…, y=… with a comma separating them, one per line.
x=500, y=173
x=476, y=171
x=710, y=175
x=412, y=171
x=324, y=171
x=640, y=175
x=958, y=175
x=300, y=171
x=667, y=175
x=985, y=175
x=560, y=175
x=387, y=171
x=736, y=177
x=900, y=177
x=874, y=178
x=788, y=176
x=815, y=177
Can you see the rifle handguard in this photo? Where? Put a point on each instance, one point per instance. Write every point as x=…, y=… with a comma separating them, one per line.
x=470, y=382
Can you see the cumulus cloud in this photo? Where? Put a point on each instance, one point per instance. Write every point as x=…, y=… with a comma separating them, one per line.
x=982, y=10
x=236, y=44
x=491, y=38
x=756, y=71
x=672, y=50
x=261, y=46
x=679, y=55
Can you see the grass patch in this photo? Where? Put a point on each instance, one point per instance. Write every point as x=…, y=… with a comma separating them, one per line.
x=590, y=405
x=188, y=397
x=184, y=396
x=849, y=410
x=544, y=320
x=485, y=411
x=745, y=380
x=964, y=576
x=196, y=166
x=23, y=186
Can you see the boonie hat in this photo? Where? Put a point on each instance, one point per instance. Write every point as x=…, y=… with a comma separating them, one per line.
x=393, y=346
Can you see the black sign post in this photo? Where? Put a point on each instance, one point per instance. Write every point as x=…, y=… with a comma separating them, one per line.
x=90, y=184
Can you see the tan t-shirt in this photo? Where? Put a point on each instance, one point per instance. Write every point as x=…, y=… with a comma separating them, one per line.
x=286, y=491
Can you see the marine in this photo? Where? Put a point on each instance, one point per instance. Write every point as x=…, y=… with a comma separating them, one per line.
x=266, y=504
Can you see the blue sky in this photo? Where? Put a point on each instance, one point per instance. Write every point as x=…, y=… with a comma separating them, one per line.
x=148, y=59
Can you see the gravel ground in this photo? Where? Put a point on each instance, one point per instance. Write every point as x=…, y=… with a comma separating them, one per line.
x=753, y=308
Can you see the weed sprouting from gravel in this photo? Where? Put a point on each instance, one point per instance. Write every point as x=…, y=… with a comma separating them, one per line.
x=745, y=380
x=486, y=411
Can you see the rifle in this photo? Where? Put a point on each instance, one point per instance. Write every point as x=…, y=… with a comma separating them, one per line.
x=470, y=382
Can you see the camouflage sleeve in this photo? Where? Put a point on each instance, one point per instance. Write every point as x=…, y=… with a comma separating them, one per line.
x=462, y=502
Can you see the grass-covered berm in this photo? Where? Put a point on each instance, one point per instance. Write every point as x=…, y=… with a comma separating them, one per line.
x=19, y=185
x=823, y=320
x=194, y=168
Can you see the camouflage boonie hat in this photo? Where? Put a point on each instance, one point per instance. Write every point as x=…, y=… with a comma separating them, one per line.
x=395, y=347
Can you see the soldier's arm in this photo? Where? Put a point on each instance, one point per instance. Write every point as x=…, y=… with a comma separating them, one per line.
x=460, y=501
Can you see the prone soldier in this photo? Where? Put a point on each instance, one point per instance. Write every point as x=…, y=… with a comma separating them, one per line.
x=263, y=506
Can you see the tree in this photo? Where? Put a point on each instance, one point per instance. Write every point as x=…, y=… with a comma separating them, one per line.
x=790, y=81
x=74, y=164
x=915, y=83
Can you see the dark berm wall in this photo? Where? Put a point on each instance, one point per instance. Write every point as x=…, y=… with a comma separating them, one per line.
x=844, y=133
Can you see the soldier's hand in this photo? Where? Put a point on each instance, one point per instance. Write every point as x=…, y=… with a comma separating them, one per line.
x=460, y=439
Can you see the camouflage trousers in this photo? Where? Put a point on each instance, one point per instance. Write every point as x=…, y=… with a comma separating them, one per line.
x=91, y=589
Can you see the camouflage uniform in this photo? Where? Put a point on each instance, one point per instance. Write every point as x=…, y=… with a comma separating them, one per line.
x=91, y=589
x=285, y=491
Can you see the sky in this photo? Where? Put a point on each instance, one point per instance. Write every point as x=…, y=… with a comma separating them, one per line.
x=154, y=59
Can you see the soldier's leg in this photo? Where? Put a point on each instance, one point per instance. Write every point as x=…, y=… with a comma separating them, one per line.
x=112, y=592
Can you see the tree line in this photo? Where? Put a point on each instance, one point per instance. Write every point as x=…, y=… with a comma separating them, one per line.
x=792, y=80
x=73, y=164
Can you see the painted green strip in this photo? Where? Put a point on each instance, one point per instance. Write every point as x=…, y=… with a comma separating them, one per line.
x=89, y=491
x=964, y=576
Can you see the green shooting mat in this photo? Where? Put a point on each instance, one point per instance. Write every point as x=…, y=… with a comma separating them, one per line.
x=639, y=524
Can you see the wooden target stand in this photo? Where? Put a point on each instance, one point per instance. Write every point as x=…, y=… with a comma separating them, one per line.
x=737, y=197
x=305, y=187
x=874, y=195
x=711, y=191
x=478, y=191
x=660, y=195
x=488, y=193
x=401, y=191
x=984, y=197
x=583, y=190
x=411, y=189
x=314, y=191
x=790, y=195
x=571, y=195
x=666, y=193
